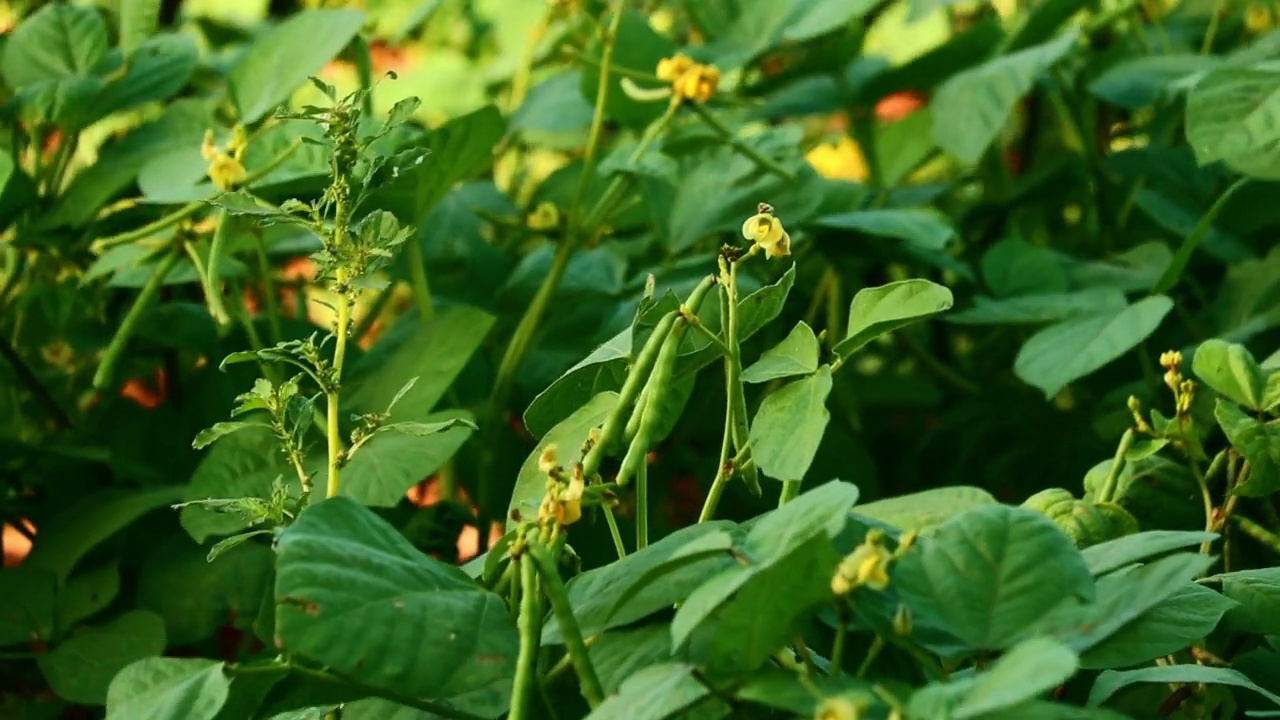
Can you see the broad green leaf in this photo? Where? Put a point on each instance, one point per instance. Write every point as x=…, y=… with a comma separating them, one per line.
x=603, y=370
x=656, y=693
x=243, y=464
x=281, y=59
x=971, y=108
x=622, y=653
x=797, y=354
x=761, y=25
x=1144, y=80
x=822, y=511
x=642, y=583
x=1258, y=595
x=210, y=435
x=80, y=669
x=1122, y=597
x=29, y=610
x=568, y=436
x=168, y=689
x=434, y=352
x=87, y=593
x=1180, y=620
x=1027, y=670
x=348, y=584
x=879, y=310
x=791, y=692
x=380, y=473
x=458, y=150
x=1067, y=351
x=1232, y=115
x=754, y=312
x=1112, y=555
x=1049, y=307
x=926, y=508
x=1229, y=368
x=1110, y=682
x=77, y=529
x=789, y=425
x=989, y=574
x=924, y=227
x=58, y=41
x=1013, y=267
x=1259, y=442
x=195, y=597
x=138, y=21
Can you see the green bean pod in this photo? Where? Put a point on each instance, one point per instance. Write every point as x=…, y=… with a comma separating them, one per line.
x=633, y=425
x=646, y=416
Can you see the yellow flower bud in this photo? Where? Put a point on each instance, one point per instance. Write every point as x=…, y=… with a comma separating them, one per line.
x=544, y=217
x=1170, y=359
x=226, y=172
x=902, y=621
x=840, y=708
x=547, y=462
x=207, y=148
x=670, y=69
x=698, y=83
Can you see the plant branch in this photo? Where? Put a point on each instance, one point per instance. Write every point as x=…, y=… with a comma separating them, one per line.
x=573, y=642
x=106, y=369
x=37, y=388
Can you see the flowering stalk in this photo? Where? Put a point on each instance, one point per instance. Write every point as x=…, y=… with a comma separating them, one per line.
x=573, y=642
x=528, y=624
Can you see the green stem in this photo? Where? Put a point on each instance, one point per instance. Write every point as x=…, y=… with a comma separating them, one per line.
x=418, y=275
x=940, y=369
x=608, y=41
x=336, y=238
x=642, y=507
x=1117, y=464
x=837, y=645
x=528, y=624
x=872, y=653
x=37, y=388
x=1257, y=532
x=1219, y=9
x=723, y=468
x=212, y=272
x=106, y=370
x=364, y=72
x=790, y=489
x=738, y=145
x=1173, y=273
x=695, y=322
x=268, y=288
x=582, y=58
x=573, y=642
x=1202, y=479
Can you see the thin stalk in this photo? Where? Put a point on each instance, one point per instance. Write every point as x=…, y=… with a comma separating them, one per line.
x=418, y=276
x=338, y=236
x=736, y=143
x=520, y=83
x=723, y=469
x=371, y=315
x=1257, y=532
x=583, y=59
x=211, y=276
x=597, y=119
x=1219, y=9
x=1173, y=273
x=873, y=652
x=642, y=507
x=941, y=370
x=1202, y=480
x=106, y=370
x=837, y=645
x=573, y=642
x=695, y=322
x=37, y=388
x=268, y=288
x=528, y=624
x=1117, y=464
x=790, y=489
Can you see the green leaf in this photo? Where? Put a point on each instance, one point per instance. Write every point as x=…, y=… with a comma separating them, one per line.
x=242, y=465
x=1013, y=267
x=1144, y=80
x=57, y=42
x=458, y=150
x=622, y=653
x=76, y=530
x=797, y=354
x=1049, y=307
x=399, y=458
x=28, y=612
x=347, y=584
x=1028, y=669
x=1176, y=622
x=1110, y=682
x=1259, y=442
x=926, y=508
x=879, y=310
x=86, y=594
x=637, y=47
x=971, y=108
x=603, y=370
x=1232, y=116
x=789, y=425
x=1067, y=351
x=822, y=511
x=281, y=59
x=138, y=21
x=1112, y=555
x=989, y=574
x=1258, y=593
x=924, y=227
x=761, y=25
x=194, y=596
x=157, y=70
x=568, y=436
x=444, y=344
x=80, y=669
x=168, y=689
x=754, y=312
x=644, y=582
x=1229, y=368
x=656, y=693
x=210, y=435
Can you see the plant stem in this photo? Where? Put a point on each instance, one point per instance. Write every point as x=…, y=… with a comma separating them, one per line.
x=790, y=489
x=723, y=469
x=1117, y=464
x=106, y=370
x=1202, y=479
x=873, y=652
x=1219, y=9
x=520, y=83
x=1257, y=532
x=837, y=646
x=738, y=145
x=269, y=301
x=418, y=275
x=336, y=238
x=573, y=642
x=37, y=388
x=210, y=276
x=940, y=369
x=529, y=635
x=695, y=322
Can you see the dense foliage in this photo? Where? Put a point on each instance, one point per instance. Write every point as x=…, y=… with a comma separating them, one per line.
x=834, y=359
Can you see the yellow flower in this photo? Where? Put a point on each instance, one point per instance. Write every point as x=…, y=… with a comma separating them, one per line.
x=226, y=172
x=670, y=69
x=698, y=83
x=766, y=231
x=842, y=161
x=867, y=565
x=1257, y=17
x=544, y=217
x=1170, y=359
x=547, y=459
x=840, y=708
x=569, y=508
